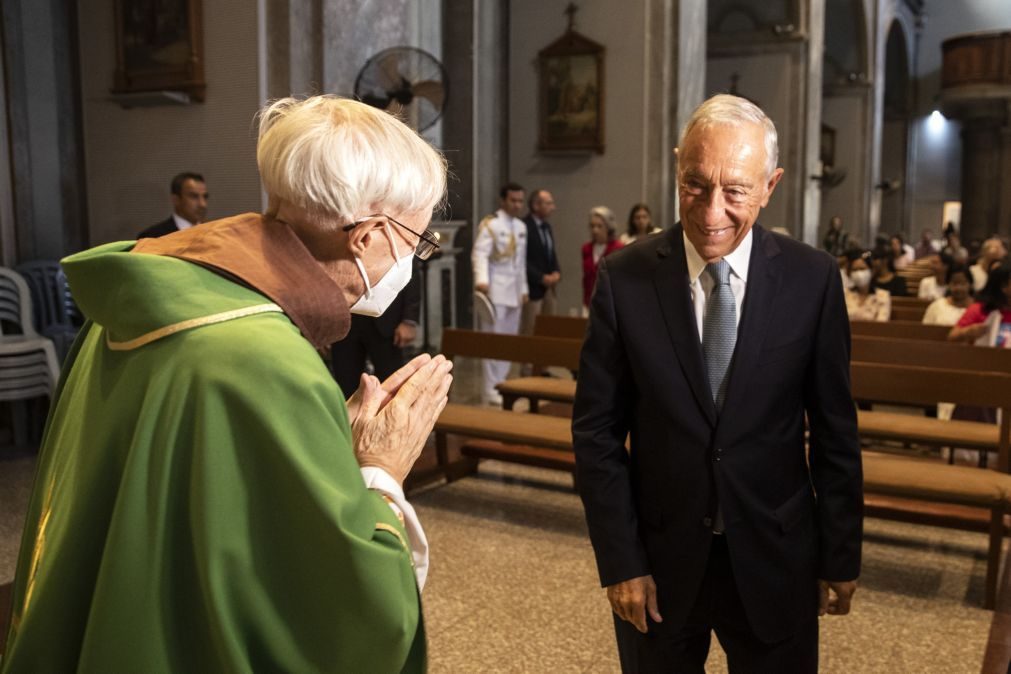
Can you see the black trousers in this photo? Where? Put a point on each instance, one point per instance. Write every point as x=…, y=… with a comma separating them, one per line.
x=717, y=608
x=347, y=357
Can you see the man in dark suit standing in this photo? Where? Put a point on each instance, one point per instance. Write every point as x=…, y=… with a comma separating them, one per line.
x=380, y=340
x=709, y=346
x=189, y=206
x=543, y=272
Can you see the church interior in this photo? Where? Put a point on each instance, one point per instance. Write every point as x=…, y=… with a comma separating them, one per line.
x=894, y=136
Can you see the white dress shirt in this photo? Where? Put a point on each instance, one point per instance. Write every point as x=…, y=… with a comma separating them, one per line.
x=181, y=222
x=702, y=284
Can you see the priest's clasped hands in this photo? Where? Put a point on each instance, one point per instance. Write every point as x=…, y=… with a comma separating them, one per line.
x=390, y=421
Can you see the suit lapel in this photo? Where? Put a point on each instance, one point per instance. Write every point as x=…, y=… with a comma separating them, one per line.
x=674, y=295
x=760, y=294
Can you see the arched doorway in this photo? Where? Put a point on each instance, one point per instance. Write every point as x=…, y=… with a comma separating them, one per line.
x=895, y=134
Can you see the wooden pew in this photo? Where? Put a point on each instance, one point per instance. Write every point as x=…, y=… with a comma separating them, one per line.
x=537, y=440
x=564, y=327
x=928, y=353
x=541, y=352
x=900, y=330
x=930, y=480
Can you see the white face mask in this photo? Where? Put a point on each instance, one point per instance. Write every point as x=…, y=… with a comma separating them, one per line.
x=861, y=277
x=378, y=298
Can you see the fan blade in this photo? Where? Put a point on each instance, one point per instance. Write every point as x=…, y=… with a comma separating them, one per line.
x=389, y=66
x=433, y=91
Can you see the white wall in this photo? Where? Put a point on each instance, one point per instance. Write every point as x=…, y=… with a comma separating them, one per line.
x=131, y=155
x=579, y=182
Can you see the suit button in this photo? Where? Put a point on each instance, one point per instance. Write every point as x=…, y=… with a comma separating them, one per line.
x=707, y=521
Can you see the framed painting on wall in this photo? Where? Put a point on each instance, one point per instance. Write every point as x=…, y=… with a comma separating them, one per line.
x=159, y=47
x=571, y=82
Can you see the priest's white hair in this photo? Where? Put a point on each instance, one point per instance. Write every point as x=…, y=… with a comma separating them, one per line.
x=734, y=111
x=341, y=160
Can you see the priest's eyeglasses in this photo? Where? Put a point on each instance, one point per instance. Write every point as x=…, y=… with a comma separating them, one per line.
x=428, y=241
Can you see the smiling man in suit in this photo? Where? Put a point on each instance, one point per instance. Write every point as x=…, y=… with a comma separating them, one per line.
x=709, y=347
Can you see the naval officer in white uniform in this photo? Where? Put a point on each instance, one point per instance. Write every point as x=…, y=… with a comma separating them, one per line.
x=499, y=259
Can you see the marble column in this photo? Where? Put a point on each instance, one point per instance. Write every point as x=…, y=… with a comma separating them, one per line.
x=675, y=46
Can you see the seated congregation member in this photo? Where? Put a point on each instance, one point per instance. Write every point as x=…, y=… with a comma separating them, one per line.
x=204, y=499
x=934, y=286
x=949, y=309
x=883, y=273
x=991, y=252
x=902, y=253
x=926, y=247
x=640, y=224
x=601, y=244
x=863, y=302
x=995, y=297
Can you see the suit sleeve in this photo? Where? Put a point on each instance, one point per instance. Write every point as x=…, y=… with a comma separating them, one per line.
x=599, y=428
x=836, y=470
x=535, y=272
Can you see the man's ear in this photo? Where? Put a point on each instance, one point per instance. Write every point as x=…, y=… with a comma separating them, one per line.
x=771, y=185
x=363, y=235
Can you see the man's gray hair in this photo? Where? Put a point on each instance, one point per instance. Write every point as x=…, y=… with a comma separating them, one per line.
x=734, y=111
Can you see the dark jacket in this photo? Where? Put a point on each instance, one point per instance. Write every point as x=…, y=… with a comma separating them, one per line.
x=642, y=372
x=539, y=260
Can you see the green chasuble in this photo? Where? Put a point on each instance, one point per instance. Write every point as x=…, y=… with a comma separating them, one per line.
x=198, y=506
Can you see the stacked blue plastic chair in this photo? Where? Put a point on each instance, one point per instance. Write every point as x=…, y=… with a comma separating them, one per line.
x=53, y=308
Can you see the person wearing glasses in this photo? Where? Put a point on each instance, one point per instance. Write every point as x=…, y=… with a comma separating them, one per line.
x=206, y=500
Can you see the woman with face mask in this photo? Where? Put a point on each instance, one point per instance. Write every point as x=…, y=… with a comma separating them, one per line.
x=947, y=310
x=863, y=303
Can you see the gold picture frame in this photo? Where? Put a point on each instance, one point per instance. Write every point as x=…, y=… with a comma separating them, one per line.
x=159, y=47
x=571, y=95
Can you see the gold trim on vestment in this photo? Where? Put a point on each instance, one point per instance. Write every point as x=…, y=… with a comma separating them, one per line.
x=40, y=543
x=191, y=323
x=383, y=526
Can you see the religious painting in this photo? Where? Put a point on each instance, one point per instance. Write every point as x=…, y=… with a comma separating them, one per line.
x=159, y=46
x=571, y=116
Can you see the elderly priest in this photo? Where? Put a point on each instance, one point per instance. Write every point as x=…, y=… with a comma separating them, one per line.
x=205, y=499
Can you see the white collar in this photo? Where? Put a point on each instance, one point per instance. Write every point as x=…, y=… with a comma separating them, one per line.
x=181, y=222
x=739, y=259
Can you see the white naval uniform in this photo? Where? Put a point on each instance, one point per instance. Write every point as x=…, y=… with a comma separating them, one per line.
x=499, y=259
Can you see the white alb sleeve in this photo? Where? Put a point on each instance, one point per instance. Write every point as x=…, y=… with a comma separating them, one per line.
x=378, y=479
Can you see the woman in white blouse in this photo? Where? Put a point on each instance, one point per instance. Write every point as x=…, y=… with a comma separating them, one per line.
x=862, y=303
x=935, y=286
x=640, y=224
x=903, y=253
x=947, y=310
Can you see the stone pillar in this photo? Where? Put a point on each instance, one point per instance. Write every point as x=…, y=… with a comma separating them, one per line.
x=475, y=127
x=981, y=175
x=811, y=165
x=675, y=59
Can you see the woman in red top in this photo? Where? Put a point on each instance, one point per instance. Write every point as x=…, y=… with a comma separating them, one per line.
x=995, y=296
x=601, y=243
